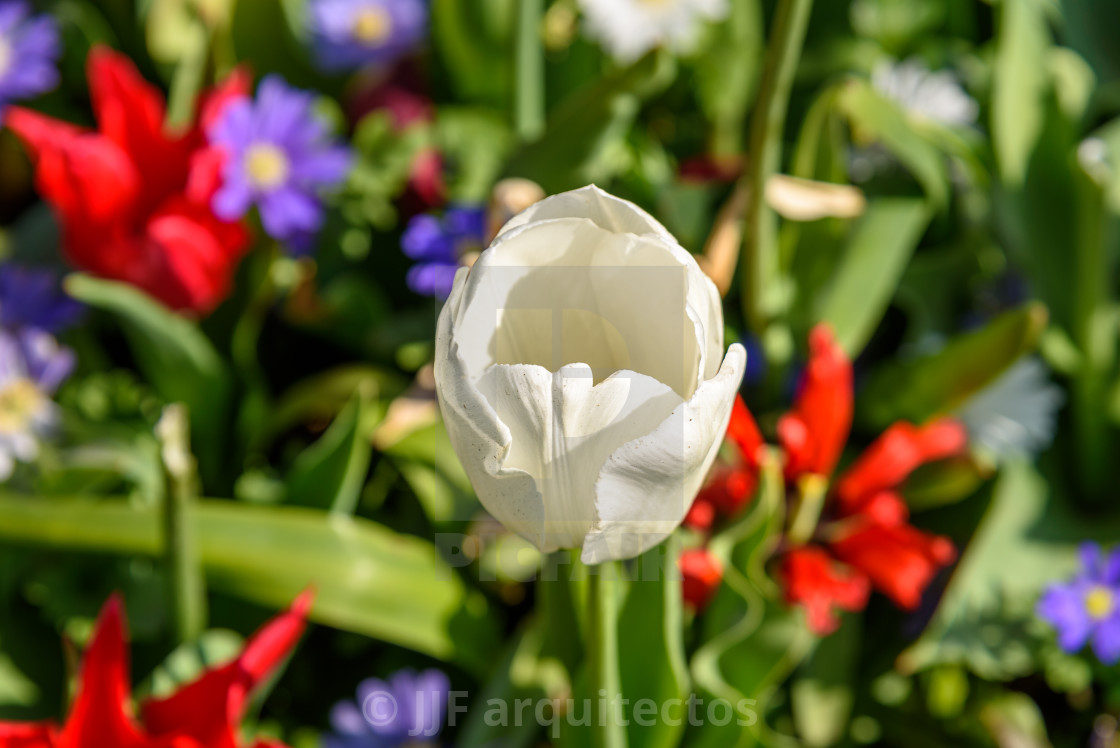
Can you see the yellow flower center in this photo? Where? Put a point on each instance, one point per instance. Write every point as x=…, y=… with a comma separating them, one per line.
x=1099, y=603
x=19, y=402
x=266, y=165
x=372, y=26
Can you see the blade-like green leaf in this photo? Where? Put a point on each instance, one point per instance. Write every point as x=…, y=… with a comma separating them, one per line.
x=877, y=251
x=919, y=389
x=1021, y=81
x=177, y=359
x=331, y=472
x=368, y=579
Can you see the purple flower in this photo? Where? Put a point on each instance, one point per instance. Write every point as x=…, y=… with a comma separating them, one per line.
x=29, y=51
x=31, y=297
x=32, y=366
x=437, y=244
x=352, y=33
x=408, y=709
x=279, y=157
x=1088, y=607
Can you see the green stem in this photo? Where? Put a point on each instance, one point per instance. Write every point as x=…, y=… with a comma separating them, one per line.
x=184, y=567
x=760, y=268
x=811, y=490
x=602, y=656
x=528, y=103
x=188, y=79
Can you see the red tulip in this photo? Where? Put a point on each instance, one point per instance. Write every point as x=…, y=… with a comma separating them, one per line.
x=814, y=580
x=204, y=714
x=701, y=574
x=814, y=433
x=133, y=198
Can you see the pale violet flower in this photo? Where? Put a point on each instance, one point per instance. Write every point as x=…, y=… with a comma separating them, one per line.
x=627, y=29
x=920, y=91
x=581, y=372
x=32, y=366
x=1015, y=415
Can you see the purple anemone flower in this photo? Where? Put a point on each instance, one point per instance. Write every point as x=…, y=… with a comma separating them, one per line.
x=1088, y=606
x=408, y=709
x=437, y=243
x=280, y=157
x=30, y=297
x=29, y=51
x=32, y=366
x=352, y=33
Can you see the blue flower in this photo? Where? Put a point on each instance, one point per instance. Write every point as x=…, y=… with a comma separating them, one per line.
x=29, y=51
x=352, y=33
x=32, y=366
x=31, y=297
x=408, y=709
x=279, y=157
x=437, y=244
x=1088, y=606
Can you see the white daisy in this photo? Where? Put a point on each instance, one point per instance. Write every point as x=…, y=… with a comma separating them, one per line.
x=936, y=95
x=1016, y=414
x=627, y=29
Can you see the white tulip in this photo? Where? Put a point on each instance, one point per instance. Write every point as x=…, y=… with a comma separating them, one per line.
x=578, y=368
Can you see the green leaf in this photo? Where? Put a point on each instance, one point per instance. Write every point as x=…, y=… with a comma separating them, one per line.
x=917, y=390
x=427, y=461
x=867, y=276
x=368, y=579
x=1020, y=86
x=823, y=692
x=587, y=132
x=331, y=472
x=1027, y=537
x=751, y=641
x=883, y=119
x=174, y=355
x=651, y=647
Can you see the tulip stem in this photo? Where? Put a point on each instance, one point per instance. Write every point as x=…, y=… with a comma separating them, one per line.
x=604, y=678
x=811, y=492
x=760, y=271
x=184, y=569
x=528, y=97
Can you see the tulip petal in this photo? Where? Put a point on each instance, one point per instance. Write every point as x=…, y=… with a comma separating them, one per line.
x=564, y=427
x=606, y=211
x=481, y=440
x=646, y=487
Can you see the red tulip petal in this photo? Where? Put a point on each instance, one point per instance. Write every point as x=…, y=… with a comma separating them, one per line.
x=210, y=710
x=237, y=84
x=101, y=713
x=813, y=580
x=130, y=112
x=824, y=407
x=900, y=561
x=893, y=456
x=743, y=432
x=701, y=574
x=88, y=179
x=27, y=735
